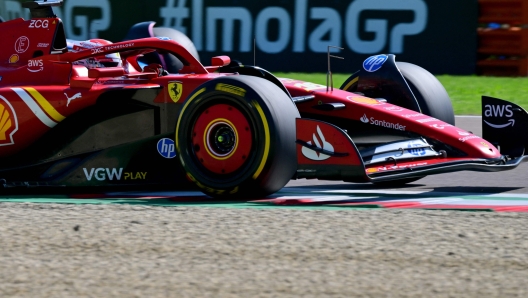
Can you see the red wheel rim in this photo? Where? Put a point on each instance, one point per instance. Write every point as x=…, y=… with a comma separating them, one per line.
x=222, y=139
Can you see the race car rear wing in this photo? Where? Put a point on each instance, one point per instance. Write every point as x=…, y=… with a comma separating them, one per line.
x=505, y=125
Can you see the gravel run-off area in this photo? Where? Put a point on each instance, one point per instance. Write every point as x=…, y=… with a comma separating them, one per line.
x=52, y=250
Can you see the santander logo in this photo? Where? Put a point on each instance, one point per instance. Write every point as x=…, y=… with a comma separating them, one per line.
x=364, y=119
x=320, y=143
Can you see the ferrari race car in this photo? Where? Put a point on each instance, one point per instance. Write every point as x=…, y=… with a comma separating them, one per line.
x=146, y=113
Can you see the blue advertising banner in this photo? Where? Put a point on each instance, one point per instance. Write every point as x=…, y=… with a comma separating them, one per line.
x=292, y=35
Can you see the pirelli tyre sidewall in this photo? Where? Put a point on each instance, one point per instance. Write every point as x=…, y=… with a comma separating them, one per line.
x=235, y=136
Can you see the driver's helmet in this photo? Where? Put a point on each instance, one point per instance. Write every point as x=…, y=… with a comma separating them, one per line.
x=108, y=60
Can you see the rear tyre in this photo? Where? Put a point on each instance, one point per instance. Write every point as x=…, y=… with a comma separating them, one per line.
x=235, y=136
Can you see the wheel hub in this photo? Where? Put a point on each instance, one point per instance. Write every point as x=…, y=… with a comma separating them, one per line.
x=222, y=139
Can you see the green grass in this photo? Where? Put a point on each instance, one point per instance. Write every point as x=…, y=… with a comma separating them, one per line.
x=465, y=91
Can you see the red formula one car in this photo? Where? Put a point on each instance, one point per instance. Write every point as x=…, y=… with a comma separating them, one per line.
x=145, y=112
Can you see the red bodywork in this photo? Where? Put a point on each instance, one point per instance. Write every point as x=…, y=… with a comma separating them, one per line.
x=40, y=87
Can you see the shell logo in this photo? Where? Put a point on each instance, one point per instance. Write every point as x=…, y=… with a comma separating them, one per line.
x=14, y=58
x=365, y=100
x=8, y=122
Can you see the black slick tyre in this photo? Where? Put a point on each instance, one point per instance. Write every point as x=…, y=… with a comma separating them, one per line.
x=235, y=137
x=429, y=92
x=178, y=37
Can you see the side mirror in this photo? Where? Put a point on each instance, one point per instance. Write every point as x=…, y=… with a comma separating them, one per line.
x=220, y=61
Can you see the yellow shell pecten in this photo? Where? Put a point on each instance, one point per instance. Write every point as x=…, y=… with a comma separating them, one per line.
x=5, y=122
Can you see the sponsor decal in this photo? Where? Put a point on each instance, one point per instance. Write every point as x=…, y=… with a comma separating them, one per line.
x=417, y=151
x=426, y=120
x=365, y=100
x=41, y=107
x=373, y=63
x=100, y=50
x=499, y=111
x=468, y=138
x=35, y=65
x=8, y=122
x=89, y=44
x=118, y=46
x=166, y=148
x=42, y=45
x=394, y=109
x=97, y=50
x=484, y=144
x=412, y=115
x=111, y=174
x=39, y=24
x=164, y=38
x=135, y=176
x=110, y=82
x=372, y=170
x=364, y=119
x=75, y=96
x=463, y=133
x=440, y=126
x=287, y=80
x=320, y=143
x=510, y=122
x=309, y=86
x=382, y=123
x=78, y=46
x=175, y=90
x=103, y=174
x=231, y=89
x=14, y=58
x=399, y=167
x=22, y=44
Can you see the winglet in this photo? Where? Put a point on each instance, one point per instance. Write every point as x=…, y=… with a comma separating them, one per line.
x=505, y=125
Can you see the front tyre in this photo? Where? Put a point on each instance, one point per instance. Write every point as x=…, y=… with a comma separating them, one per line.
x=235, y=136
x=429, y=92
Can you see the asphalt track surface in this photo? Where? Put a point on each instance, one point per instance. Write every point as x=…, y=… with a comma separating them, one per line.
x=125, y=246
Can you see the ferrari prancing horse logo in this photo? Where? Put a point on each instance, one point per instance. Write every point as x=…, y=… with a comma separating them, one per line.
x=175, y=90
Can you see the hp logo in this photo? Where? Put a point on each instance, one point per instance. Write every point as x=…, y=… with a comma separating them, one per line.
x=373, y=63
x=417, y=151
x=166, y=148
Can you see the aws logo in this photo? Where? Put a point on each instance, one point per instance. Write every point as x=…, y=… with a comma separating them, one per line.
x=35, y=65
x=8, y=122
x=499, y=111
